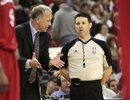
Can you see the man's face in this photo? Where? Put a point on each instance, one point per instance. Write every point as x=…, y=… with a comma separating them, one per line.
x=104, y=30
x=82, y=25
x=44, y=21
x=114, y=86
x=52, y=86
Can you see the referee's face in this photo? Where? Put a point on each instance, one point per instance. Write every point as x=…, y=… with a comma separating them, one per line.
x=83, y=26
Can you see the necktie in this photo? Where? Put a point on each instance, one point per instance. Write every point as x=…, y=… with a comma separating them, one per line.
x=32, y=76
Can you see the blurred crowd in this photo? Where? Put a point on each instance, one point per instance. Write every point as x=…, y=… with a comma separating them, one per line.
x=105, y=17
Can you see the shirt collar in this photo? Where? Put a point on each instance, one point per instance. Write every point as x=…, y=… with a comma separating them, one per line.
x=33, y=30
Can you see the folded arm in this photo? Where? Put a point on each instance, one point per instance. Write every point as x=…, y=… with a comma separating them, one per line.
x=106, y=75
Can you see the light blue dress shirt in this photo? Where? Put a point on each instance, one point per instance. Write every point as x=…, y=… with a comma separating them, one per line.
x=33, y=32
x=60, y=94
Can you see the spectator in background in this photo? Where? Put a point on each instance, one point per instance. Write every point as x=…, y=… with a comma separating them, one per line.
x=85, y=8
x=96, y=14
x=64, y=89
x=21, y=14
x=108, y=93
x=106, y=19
x=103, y=32
x=63, y=24
x=76, y=5
x=96, y=18
x=113, y=85
x=9, y=73
x=112, y=43
x=28, y=4
x=107, y=5
x=55, y=5
x=52, y=86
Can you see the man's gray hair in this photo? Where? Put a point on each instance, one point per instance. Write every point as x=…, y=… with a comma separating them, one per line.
x=39, y=10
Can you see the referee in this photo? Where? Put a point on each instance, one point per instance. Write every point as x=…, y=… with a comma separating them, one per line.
x=88, y=61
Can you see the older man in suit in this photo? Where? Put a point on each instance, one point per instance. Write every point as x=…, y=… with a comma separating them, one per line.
x=40, y=20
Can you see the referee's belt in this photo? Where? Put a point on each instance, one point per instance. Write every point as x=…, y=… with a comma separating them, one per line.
x=77, y=81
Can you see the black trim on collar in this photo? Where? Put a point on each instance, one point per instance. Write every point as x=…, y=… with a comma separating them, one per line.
x=86, y=41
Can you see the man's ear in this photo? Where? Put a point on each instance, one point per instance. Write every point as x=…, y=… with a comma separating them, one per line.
x=90, y=25
x=37, y=20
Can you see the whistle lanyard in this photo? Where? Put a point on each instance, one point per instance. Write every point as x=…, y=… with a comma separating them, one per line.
x=84, y=65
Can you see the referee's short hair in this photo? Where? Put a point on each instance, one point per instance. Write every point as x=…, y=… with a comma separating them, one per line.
x=84, y=15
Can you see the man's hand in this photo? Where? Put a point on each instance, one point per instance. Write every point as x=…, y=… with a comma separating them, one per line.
x=34, y=62
x=57, y=62
x=3, y=80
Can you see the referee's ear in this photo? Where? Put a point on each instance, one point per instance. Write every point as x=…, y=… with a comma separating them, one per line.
x=90, y=25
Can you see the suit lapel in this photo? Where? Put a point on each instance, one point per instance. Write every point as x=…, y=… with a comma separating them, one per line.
x=29, y=35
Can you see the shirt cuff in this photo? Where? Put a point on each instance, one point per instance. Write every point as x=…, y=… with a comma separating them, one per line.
x=27, y=66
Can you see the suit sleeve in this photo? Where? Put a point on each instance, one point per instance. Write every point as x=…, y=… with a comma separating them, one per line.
x=44, y=50
x=22, y=60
